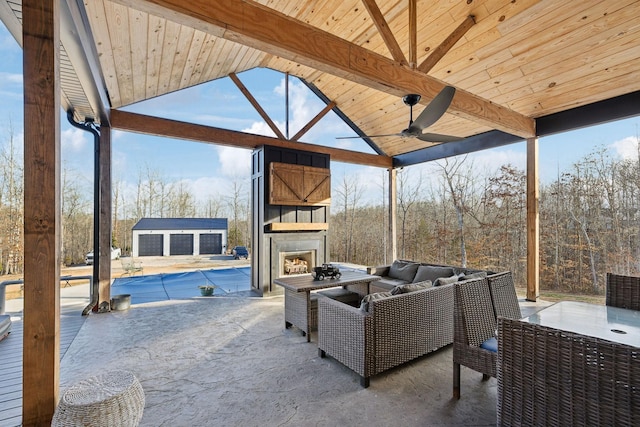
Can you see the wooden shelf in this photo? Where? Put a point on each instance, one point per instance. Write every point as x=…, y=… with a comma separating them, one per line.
x=297, y=226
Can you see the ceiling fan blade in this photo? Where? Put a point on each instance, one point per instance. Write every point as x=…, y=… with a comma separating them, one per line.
x=432, y=112
x=435, y=137
x=368, y=136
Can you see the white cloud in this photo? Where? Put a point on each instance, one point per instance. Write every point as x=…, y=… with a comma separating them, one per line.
x=75, y=139
x=11, y=78
x=234, y=162
x=626, y=148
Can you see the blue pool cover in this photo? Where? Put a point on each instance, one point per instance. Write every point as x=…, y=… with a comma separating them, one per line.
x=158, y=287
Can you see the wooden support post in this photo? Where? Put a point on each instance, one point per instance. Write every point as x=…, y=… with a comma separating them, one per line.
x=393, y=209
x=41, y=350
x=533, y=221
x=104, y=239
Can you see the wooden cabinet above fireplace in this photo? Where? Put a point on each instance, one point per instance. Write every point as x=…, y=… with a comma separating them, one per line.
x=297, y=185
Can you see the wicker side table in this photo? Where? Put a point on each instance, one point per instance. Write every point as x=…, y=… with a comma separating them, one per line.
x=111, y=399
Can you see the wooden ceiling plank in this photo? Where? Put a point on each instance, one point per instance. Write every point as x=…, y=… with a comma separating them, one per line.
x=385, y=32
x=139, y=123
x=550, y=70
x=120, y=42
x=183, y=45
x=138, y=31
x=443, y=48
x=313, y=121
x=155, y=38
x=556, y=28
x=254, y=26
x=483, y=35
x=169, y=47
x=596, y=87
x=191, y=72
x=100, y=30
x=256, y=105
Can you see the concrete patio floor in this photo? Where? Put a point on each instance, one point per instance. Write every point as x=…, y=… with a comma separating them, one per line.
x=229, y=361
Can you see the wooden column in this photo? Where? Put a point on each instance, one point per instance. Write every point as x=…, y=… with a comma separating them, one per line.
x=104, y=239
x=41, y=353
x=393, y=209
x=533, y=221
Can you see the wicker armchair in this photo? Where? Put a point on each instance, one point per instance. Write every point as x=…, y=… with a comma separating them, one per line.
x=393, y=331
x=623, y=291
x=474, y=322
x=549, y=377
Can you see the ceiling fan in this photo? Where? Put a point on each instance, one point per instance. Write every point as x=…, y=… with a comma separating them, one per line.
x=431, y=114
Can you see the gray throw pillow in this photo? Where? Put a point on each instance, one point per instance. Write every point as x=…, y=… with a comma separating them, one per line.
x=411, y=287
x=364, y=305
x=441, y=281
x=478, y=275
x=403, y=270
x=431, y=272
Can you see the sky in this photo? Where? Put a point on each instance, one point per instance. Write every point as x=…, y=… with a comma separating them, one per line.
x=208, y=170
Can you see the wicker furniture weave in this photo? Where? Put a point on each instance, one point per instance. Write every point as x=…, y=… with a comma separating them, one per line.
x=550, y=377
x=474, y=322
x=300, y=305
x=111, y=399
x=503, y=295
x=395, y=330
x=623, y=291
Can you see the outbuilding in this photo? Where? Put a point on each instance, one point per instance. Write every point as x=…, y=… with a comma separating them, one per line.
x=180, y=236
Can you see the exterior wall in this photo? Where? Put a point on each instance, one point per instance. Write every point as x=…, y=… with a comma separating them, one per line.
x=167, y=239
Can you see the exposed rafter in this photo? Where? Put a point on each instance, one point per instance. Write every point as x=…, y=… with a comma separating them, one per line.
x=384, y=30
x=256, y=105
x=157, y=126
x=313, y=121
x=444, y=47
x=259, y=27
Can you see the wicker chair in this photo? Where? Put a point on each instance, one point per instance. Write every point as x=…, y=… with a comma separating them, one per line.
x=503, y=295
x=549, y=377
x=623, y=291
x=474, y=322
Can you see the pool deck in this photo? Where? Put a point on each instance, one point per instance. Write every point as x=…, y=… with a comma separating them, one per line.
x=230, y=361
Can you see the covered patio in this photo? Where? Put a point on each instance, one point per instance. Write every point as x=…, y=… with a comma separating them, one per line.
x=520, y=70
x=229, y=360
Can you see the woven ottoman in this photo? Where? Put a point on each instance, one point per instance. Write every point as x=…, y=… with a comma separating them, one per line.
x=110, y=399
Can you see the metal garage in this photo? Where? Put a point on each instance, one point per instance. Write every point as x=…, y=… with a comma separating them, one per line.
x=179, y=236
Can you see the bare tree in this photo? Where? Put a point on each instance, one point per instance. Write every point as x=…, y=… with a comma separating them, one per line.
x=408, y=194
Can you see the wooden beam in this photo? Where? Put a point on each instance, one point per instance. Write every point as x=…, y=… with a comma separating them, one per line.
x=392, y=247
x=385, y=32
x=260, y=27
x=533, y=221
x=413, y=34
x=41, y=339
x=149, y=125
x=313, y=121
x=297, y=226
x=256, y=105
x=444, y=47
x=104, y=217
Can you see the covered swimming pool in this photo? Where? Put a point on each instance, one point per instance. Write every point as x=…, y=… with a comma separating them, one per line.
x=167, y=286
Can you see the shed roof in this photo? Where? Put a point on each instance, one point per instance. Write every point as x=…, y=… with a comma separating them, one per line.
x=181, y=224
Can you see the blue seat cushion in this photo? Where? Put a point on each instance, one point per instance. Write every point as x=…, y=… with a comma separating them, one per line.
x=491, y=344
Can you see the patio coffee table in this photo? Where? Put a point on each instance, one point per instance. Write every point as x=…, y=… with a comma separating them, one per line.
x=298, y=299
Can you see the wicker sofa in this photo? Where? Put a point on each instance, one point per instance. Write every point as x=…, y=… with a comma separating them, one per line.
x=391, y=331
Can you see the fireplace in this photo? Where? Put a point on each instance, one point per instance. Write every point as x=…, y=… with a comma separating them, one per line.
x=289, y=237
x=299, y=262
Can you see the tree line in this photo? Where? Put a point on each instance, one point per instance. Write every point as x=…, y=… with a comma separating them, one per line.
x=589, y=221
